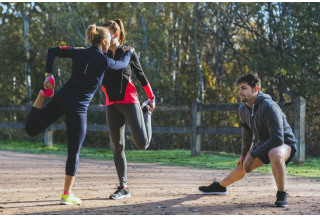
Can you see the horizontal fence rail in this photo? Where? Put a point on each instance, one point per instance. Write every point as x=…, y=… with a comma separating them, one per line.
x=196, y=130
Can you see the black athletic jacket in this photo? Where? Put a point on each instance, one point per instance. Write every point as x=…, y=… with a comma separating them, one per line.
x=88, y=67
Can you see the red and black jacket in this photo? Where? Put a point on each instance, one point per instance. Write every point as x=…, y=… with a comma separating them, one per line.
x=117, y=84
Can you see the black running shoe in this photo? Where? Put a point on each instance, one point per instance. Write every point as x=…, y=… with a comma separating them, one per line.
x=214, y=189
x=120, y=193
x=281, y=199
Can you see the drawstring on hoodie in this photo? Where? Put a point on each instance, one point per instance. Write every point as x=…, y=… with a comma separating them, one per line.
x=252, y=110
x=254, y=121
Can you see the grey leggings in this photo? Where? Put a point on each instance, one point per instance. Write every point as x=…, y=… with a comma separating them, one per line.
x=141, y=131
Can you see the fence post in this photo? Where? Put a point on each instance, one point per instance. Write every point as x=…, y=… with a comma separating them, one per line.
x=299, y=130
x=196, y=137
x=48, y=137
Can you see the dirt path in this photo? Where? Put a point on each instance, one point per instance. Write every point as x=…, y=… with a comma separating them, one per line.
x=32, y=184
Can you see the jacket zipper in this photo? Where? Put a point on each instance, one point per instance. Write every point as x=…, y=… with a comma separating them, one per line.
x=254, y=121
x=85, y=71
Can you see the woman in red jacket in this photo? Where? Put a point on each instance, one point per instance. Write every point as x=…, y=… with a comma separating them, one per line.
x=123, y=105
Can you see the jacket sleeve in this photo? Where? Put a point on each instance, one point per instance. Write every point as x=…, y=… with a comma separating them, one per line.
x=246, y=136
x=138, y=71
x=272, y=116
x=62, y=51
x=119, y=64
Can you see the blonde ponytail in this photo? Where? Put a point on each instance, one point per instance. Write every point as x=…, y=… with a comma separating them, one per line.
x=95, y=34
x=91, y=30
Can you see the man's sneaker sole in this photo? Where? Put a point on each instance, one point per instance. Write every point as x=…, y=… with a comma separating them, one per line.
x=275, y=205
x=214, y=193
x=121, y=197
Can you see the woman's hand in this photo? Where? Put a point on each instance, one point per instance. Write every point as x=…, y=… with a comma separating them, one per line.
x=152, y=103
x=127, y=48
x=47, y=84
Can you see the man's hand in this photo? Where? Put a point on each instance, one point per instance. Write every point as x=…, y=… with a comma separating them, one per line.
x=248, y=163
x=240, y=161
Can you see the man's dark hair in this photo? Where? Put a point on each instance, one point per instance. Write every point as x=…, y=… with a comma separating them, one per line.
x=252, y=79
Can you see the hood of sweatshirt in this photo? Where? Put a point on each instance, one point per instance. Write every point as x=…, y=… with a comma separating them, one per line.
x=261, y=96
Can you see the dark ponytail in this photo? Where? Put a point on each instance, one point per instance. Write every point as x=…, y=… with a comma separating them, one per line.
x=122, y=35
x=116, y=26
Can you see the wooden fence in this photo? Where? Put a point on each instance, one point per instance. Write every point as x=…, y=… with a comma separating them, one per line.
x=196, y=130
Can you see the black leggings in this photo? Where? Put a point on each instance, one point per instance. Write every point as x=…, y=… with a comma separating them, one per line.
x=140, y=127
x=76, y=123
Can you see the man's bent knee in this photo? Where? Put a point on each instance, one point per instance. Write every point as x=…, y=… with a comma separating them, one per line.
x=276, y=155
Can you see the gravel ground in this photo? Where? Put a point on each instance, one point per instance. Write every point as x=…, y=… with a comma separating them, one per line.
x=32, y=184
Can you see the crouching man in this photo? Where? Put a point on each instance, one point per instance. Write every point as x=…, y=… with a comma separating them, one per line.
x=266, y=137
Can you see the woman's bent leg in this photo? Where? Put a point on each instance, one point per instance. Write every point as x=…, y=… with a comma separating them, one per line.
x=139, y=124
x=39, y=119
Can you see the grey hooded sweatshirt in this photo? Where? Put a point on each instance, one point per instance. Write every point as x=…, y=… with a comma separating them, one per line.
x=264, y=127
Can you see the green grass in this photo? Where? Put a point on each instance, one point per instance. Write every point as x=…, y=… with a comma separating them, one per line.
x=166, y=157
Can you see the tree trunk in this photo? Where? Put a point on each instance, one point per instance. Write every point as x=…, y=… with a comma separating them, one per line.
x=198, y=60
x=75, y=24
x=149, y=61
x=25, y=18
